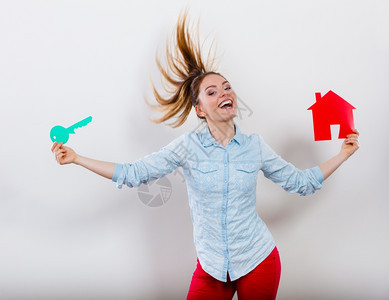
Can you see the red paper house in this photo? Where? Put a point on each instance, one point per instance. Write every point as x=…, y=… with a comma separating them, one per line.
x=329, y=110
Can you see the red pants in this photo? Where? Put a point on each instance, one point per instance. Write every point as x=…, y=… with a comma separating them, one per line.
x=260, y=283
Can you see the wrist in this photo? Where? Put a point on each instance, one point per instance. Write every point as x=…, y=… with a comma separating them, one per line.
x=344, y=155
x=77, y=160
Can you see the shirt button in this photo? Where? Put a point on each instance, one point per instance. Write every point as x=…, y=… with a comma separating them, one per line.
x=225, y=180
x=225, y=165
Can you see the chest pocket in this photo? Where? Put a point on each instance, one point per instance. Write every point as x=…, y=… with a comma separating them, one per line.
x=205, y=176
x=245, y=176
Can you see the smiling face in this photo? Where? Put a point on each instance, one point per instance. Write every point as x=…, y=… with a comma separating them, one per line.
x=217, y=99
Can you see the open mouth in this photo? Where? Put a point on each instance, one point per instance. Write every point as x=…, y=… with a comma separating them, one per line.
x=226, y=104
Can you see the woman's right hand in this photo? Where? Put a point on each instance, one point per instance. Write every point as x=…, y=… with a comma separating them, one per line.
x=63, y=155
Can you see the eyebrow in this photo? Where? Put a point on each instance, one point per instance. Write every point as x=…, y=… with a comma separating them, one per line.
x=215, y=85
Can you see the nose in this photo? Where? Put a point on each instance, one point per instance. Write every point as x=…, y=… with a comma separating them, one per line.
x=224, y=93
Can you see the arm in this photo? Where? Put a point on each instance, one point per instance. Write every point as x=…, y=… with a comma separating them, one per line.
x=65, y=155
x=290, y=178
x=143, y=170
x=349, y=146
x=307, y=181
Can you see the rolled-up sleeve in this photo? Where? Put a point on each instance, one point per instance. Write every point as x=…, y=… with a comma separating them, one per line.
x=150, y=167
x=290, y=178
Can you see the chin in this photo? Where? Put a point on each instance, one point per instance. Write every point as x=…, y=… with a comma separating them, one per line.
x=229, y=117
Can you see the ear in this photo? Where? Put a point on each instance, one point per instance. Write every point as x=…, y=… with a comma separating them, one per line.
x=199, y=111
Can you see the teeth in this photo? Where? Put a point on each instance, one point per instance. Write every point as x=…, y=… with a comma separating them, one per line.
x=225, y=103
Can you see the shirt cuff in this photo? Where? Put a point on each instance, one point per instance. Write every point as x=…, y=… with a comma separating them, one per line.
x=318, y=174
x=116, y=173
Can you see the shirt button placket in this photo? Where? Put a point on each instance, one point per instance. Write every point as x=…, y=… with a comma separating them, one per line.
x=225, y=201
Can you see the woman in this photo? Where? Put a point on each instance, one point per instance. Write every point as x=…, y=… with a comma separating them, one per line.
x=236, y=252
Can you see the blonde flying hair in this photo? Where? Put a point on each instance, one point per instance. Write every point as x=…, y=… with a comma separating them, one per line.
x=182, y=76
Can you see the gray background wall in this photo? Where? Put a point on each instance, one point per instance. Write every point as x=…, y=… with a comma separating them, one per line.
x=66, y=233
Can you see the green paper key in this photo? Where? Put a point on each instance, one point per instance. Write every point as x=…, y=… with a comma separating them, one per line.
x=61, y=134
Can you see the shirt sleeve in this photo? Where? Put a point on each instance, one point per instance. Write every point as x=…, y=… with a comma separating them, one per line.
x=150, y=167
x=290, y=178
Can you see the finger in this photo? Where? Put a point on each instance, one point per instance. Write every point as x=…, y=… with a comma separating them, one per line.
x=356, y=133
x=58, y=157
x=352, y=137
x=58, y=147
x=355, y=137
x=61, y=159
x=53, y=147
x=61, y=151
x=58, y=150
x=349, y=141
x=353, y=143
x=60, y=154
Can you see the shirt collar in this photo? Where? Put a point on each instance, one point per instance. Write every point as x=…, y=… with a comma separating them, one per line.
x=207, y=139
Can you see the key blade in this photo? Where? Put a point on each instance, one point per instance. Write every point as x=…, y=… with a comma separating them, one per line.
x=82, y=123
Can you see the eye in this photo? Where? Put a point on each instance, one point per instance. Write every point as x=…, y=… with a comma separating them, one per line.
x=227, y=87
x=211, y=93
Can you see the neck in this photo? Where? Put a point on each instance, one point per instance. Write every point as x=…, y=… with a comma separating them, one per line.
x=223, y=132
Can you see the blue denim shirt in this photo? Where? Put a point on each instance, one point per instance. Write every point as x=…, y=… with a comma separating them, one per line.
x=221, y=183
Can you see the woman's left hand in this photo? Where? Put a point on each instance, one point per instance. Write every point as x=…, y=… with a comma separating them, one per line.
x=351, y=144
